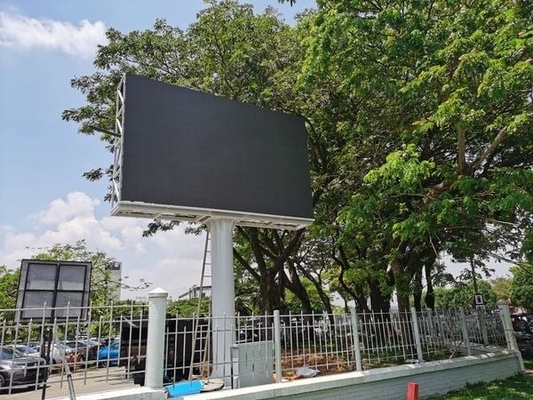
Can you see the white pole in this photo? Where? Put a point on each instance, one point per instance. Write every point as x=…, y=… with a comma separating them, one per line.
x=357, y=345
x=222, y=296
x=416, y=332
x=155, y=344
x=510, y=336
x=277, y=345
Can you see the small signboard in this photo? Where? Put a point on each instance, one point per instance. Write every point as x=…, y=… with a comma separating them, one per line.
x=61, y=286
x=479, y=302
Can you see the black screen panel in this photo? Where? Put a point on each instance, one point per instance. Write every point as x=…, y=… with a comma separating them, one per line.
x=190, y=149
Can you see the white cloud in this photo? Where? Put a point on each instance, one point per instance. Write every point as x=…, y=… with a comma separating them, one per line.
x=170, y=260
x=77, y=204
x=21, y=32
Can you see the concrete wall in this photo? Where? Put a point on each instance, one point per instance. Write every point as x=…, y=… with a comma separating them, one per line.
x=437, y=377
x=140, y=393
x=434, y=378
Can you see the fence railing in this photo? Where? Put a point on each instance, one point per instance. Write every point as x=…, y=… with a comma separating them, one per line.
x=112, y=343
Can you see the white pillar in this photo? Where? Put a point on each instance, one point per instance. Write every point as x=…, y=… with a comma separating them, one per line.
x=222, y=296
x=357, y=344
x=155, y=345
x=277, y=345
x=510, y=336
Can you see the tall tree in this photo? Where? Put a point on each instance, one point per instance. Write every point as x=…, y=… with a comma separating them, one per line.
x=442, y=91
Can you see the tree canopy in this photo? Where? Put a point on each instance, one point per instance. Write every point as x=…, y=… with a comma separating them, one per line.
x=442, y=91
x=522, y=286
x=419, y=116
x=9, y=280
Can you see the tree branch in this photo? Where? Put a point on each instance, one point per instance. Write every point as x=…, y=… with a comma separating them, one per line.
x=489, y=149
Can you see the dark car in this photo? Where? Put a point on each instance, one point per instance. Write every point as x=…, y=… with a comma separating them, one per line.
x=19, y=370
x=93, y=347
x=523, y=327
x=523, y=322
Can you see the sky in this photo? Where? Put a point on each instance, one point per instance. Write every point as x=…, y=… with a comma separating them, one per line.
x=44, y=199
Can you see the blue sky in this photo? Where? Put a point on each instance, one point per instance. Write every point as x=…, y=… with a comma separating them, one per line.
x=44, y=199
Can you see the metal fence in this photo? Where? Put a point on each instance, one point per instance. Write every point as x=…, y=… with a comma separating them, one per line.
x=111, y=344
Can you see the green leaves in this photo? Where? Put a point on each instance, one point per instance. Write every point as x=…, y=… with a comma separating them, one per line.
x=522, y=285
x=403, y=169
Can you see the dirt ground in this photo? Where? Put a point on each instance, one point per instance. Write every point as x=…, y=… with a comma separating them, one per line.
x=327, y=365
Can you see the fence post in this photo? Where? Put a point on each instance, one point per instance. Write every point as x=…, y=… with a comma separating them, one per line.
x=416, y=333
x=510, y=337
x=464, y=330
x=155, y=344
x=356, y=344
x=483, y=326
x=277, y=346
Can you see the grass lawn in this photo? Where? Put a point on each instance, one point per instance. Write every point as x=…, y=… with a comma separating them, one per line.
x=517, y=387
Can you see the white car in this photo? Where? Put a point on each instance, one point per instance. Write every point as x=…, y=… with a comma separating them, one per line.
x=60, y=352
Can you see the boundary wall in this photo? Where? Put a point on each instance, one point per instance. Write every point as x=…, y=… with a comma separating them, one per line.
x=434, y=378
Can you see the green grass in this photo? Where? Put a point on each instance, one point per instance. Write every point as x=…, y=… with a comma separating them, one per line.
x=515, y=388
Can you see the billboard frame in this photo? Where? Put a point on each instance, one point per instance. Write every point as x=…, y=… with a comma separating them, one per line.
x=139, y=209
x=37, y=307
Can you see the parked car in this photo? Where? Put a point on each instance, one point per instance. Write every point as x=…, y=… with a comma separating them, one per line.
x=16, y=369
x=93, y=347
x=87, y=351
x=60, y=352
x=109, y=354
x=25, y=350
x=523, y=323
x=523, y=327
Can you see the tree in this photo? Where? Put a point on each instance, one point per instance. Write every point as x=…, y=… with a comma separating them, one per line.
x=102, y=288
x=442, y=92
x=9, y=280
x=189, y=308
x=502, y=287
x=462, y=296
x=522, y=286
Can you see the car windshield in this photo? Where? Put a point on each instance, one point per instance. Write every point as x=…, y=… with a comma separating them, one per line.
x=7, y=353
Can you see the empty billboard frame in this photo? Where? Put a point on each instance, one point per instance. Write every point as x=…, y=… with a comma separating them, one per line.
x=60, y=288
x=191, y=156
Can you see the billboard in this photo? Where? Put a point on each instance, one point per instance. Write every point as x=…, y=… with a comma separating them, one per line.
x=190, y=155
x=63, y=286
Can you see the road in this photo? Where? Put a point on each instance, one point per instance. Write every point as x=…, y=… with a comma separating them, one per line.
x=91, y=380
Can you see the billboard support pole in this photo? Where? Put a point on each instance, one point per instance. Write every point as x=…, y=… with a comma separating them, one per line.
x=155, y=347
x=222, y=295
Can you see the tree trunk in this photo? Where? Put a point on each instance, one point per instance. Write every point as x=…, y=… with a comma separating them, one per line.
x=378, y=302
x=401, y=282
x=417, y=292
x=430, y=293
